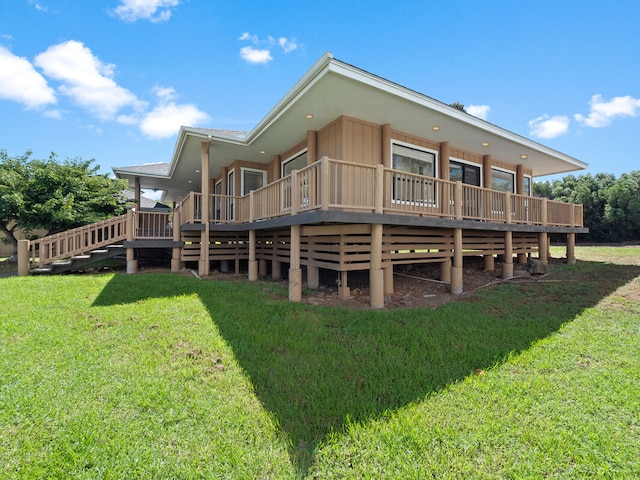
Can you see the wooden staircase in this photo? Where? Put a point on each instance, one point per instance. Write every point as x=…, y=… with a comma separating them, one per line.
x=79, y=262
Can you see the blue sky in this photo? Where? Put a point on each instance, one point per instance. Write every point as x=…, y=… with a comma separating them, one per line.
x=114, y=79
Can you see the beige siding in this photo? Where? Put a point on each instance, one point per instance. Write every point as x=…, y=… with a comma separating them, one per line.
x=330, y=140
x=362, y=142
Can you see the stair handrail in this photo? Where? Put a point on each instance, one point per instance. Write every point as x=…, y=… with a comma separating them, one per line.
x=77, y=241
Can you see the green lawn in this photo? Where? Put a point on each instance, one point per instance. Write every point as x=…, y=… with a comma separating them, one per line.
x=167, y=376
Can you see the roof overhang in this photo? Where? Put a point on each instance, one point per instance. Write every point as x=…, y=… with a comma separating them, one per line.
x=332, y=88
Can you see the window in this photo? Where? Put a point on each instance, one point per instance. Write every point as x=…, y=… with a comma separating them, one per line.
x=527, y=186
x=464, y=172
x=502, y=180
x=416, y=161
x=252, y=180
x=297, y=162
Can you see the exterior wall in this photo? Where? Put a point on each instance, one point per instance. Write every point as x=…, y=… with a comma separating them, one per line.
x=330, y=140
x=362, y=142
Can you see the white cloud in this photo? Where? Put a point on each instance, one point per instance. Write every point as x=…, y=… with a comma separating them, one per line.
x=166, y=119
x=20, y=82
x=86, y=80
x=480, y=111
x=263, y=55
x=288, y=45
x=602, y=112
x=38, y=6
x=549, y=127
x=154, y=10
x=247, y=36
x=255, y=55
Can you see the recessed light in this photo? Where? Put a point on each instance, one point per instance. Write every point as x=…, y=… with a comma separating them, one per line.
x=435, y=128
x=262, y=152
x=197, y=171
x=309, y=115
x=524, y=155
x=189, y=181
x=485, y=144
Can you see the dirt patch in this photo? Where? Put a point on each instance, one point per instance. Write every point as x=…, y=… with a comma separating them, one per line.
x=413, y=285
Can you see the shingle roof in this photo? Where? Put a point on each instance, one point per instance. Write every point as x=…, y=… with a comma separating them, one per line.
x=222, y=132
x=160, y=168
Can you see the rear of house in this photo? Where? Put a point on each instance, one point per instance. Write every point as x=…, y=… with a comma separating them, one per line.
x=351, y=172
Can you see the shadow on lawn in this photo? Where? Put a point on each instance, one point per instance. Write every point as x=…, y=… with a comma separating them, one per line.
x=317, y=368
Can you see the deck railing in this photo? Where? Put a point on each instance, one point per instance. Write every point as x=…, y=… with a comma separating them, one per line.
x=330, y=184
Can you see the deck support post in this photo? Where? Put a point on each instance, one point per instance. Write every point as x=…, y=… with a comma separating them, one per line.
x=132, y=263
x=445, y=270
x=313, y=277
x=23, y=258
x=388, y=279
x=204, y=263
x=295, y=272
x=175, y=251
x=276, y=270
x=253, y=263
x=571, y=248
x=489, y=263
x=522, y=258
x=456, y=269
x=507, y=265
x=344, y=292
x=543, y=247
x=376, y=274
x=262, y=267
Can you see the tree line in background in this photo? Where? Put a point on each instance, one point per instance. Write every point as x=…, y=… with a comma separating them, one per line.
x=611, y=205
x=54, y=196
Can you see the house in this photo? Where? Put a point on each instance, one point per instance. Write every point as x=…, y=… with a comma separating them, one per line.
x=351, y=172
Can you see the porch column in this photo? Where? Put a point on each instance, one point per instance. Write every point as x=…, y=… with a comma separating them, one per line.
x=295, y=272
x=386, y=145
x=487, y=162
x=445, y=270
x=176, y=251
x=203, y=264
x=456, y=269
x=507, y=265
x=136, y=192
x=571, y=248
x=262, y=267
x=132, y=263
x=520, y=180
x=23, y=258
x=444, y=161
x=376, y=274
x=253, y=264
x=312, y=149
x=543, y=247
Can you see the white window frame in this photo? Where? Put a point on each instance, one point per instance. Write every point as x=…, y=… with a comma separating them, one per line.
x=466, y=162
x=243, y=170
x=217, y=203
x=231, y=186
x=430, y=204
x=504, y=170
x=292, y=158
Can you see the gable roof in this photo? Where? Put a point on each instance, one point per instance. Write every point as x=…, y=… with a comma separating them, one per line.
x=332, y=88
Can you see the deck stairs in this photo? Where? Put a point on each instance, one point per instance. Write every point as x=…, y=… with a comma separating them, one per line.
x=79, y=262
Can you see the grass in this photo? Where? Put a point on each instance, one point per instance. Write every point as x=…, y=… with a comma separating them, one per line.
x=167, y=376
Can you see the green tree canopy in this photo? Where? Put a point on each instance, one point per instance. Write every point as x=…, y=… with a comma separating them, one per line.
x=611, y=206
x=54, y=196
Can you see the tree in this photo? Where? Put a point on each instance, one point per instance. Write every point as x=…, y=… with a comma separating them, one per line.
x=458, y=106
x=54, y=196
